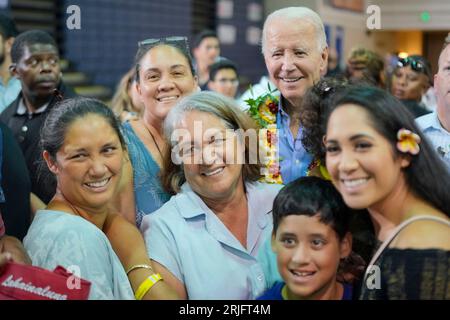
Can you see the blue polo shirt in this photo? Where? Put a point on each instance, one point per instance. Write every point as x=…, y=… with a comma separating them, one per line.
x=187, y=238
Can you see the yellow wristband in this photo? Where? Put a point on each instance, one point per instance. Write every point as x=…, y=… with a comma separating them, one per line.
x=146, y=285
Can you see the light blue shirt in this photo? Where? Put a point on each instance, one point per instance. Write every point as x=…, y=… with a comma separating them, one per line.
x=437, y=135
x=58, y=238
x=187, y=238
x=9, y=93
x=268, y=260
x=294, y=160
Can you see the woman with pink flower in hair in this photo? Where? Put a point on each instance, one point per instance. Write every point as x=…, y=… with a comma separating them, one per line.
x=378, y=159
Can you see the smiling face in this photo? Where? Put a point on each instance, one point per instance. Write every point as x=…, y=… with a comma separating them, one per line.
x=360, y=160
x=408, y=84
x=292, y=57
x=442, y=83
x=89, y=164
x=219, y=174
x=164, y=78
x=308, y=255
x=38, y=70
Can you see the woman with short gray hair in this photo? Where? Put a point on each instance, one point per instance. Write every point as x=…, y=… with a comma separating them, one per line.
x=219, y=215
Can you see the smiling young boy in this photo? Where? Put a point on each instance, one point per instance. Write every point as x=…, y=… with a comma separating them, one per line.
x=310, y=238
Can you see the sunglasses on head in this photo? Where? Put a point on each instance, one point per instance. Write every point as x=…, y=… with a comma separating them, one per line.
x=415, y=64
x=173, y=40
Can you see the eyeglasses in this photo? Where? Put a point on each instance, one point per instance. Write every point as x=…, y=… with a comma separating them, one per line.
x=415, y=64
x=181, y=41
x=233, y=82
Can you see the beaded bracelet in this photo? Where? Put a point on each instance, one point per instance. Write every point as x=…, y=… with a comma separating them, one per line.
x=139, y=266
x=146, y=285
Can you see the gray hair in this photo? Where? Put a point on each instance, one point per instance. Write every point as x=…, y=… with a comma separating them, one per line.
x=206, y=101
x=225, y=109
x=298, y=13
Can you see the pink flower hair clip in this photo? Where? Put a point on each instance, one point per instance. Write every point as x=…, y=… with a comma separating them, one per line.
x=408, y=141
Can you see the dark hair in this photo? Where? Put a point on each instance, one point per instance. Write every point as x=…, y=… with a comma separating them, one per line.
x=8, y=28
x=64, y=113
x=223, y=63
x=425, y=66
x=182, y=48
x=371, y=64
x=313, y=110
x=311, y=196
x=29, y=38
x=426, y=175
x=199, y=37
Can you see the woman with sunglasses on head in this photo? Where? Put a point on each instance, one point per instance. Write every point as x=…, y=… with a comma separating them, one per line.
x=410, y=81
x=378, y=159
x=164, y=74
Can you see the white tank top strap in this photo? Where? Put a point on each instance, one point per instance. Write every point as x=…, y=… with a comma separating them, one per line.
x=396, y=231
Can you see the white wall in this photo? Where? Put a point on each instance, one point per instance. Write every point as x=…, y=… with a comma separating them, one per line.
x=352, y=23
x=405, y=14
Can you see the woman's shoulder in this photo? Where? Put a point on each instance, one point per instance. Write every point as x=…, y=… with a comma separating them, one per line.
x=424, y=234
x=54, y=224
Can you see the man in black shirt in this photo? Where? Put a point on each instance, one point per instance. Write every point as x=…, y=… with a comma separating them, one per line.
x=35, y=62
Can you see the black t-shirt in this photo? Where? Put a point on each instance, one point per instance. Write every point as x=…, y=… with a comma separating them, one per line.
x=16, y=186
x=26, y=129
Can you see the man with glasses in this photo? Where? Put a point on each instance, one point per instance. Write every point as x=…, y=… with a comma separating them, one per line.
x=436, y=125
x=223, y=78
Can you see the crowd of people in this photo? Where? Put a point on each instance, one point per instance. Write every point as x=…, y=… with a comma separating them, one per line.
x=160, y=194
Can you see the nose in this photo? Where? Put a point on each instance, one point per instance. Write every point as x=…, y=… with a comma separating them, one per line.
x=288, y=62
x=46, y=66
x=401, y=80
x=166, y=84
x=98, y=168
x=347, y=162
x=209, y=155
x=301, y=254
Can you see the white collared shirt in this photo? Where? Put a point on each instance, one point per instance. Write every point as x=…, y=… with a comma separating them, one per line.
x=437, y=135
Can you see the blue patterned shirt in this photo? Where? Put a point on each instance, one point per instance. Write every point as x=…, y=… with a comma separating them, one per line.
x=294, y=160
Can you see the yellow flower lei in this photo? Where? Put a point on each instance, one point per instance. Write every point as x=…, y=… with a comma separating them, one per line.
x=263, y=110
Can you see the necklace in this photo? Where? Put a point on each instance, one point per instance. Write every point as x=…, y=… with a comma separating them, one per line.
x=154, y=140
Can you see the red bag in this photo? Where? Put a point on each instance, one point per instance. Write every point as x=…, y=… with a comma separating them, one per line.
x=25, y=282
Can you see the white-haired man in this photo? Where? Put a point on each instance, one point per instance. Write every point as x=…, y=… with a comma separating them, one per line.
x=296, y=55
x=436, y=125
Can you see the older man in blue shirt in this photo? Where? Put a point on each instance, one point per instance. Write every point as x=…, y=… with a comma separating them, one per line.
x=296, y=55
x=436, y=126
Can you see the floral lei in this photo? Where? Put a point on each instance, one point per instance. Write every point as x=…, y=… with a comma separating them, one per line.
x=263, y=110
